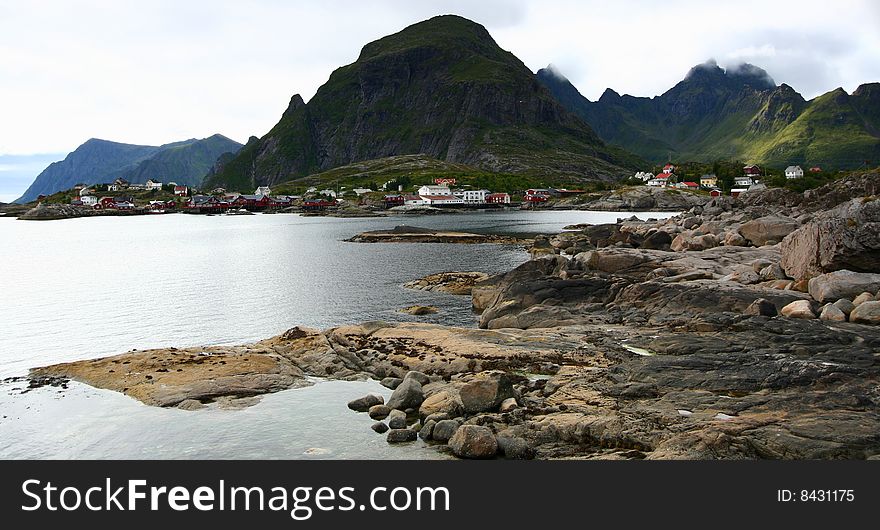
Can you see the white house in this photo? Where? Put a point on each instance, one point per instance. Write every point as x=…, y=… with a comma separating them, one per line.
x=743, y=181
x=264, y=190
x=361, y=191
x=312, y=190
x=644, y=176
x=153, y=185
x=88, y=200
x=327, y=192
x=660, y=181
x=85, y=191
x=473, y=196
x=794, y=172
x=435, y=190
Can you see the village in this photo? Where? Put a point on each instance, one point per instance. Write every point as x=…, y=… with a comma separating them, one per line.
x=158, y=197
x=753, y=178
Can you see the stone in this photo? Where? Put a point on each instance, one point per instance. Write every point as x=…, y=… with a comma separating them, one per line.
x=397, y=419
x=419, y=310
x=764, y=230
x=835, y=285
x=689, y=241
x=363, y=404
x=485, y=393
x=832, y=313
x=845, y=305
x=657, y=240
x=379, y=412
x=761, y=307
x=508, y=405
x=460, y=283
x=473, y=441
x=735, y=239
x=444, y=430
x=866, y=313
x=799, y=309
x=418, y=376
x=396, y=436
x=427, y=429
x=190, y=404
x=391, y=382
x=443, y=402
x=845, y=237
x=743, y=275
x=407, y=395
x=379, y=427
x=514, y=448
x=773, y=272
x=862, y=298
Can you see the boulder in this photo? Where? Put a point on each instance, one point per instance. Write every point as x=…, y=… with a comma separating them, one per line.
x=846, y=237
x=773, y=272
x=514, y=448
x=862, y=298
x=833, y=313
x=734, y=239
x=397, y=419
x=799, y=309
x=866, y=313
x=687, y=241
x=658, y=240
x=833, y=286
x=427, y=429
x=379, y=427
x=508, y=405
x=766, y=229
x=444, y=430
x=396, y=436
x=363, y=404
x=391, y=382
x=379, y=412
x=761, y=307
x=486, y=393
x=423, y=379
x=407, y=395
x=419, y=310
x=845, y=305
x=442, y=402
x=473, y=441
x=744, y=275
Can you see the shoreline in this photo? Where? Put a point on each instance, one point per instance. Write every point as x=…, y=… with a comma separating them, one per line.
x=707, y=335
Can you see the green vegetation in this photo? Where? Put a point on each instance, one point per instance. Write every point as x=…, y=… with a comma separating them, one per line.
x=715, y=115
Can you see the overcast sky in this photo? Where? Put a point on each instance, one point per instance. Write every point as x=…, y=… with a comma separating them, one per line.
x=153, y=72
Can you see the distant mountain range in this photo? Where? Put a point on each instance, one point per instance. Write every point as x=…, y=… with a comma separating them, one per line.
x=101, y=161
x=737, y=114
x=442, y=88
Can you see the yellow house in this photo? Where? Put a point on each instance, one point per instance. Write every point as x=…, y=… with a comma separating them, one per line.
x=709, y=181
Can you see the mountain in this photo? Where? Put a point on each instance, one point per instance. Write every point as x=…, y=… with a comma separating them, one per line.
x=442, y=88
x=739, y=114
x=101, y=161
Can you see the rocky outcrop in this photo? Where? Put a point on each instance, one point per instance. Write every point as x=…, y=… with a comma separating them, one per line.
x=461, y=283
x=410, y=234
x=847, y=237
x=770, y=229
x=842, y=284
x=642, y=198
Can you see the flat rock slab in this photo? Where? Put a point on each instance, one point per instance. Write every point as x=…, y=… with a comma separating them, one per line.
x=168, y=377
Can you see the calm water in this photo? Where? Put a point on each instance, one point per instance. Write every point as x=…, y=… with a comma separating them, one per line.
x=83, y=288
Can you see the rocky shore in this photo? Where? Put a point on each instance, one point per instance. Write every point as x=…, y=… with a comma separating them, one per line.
x=413, y=234
x=740, y=329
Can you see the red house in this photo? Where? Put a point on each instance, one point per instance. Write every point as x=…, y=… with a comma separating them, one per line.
x=539, y=195
x=715, y=193
x=752, y=171
x=816, y=169
x=394, y=200
x=498, y=198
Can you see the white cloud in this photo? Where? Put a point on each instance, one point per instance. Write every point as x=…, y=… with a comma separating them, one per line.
x=153, y=72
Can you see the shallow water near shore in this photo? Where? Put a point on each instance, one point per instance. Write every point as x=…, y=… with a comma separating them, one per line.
x=86, y=288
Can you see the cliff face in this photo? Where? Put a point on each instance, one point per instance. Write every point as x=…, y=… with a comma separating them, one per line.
x=442, y=88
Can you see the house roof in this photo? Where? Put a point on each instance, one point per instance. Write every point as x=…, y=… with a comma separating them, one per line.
x=793, y=168
x=691, y=184
x=441, y=197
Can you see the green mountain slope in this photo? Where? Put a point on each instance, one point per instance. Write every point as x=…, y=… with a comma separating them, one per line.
x=442, y=88
x=734, y=114
x=101, y=161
